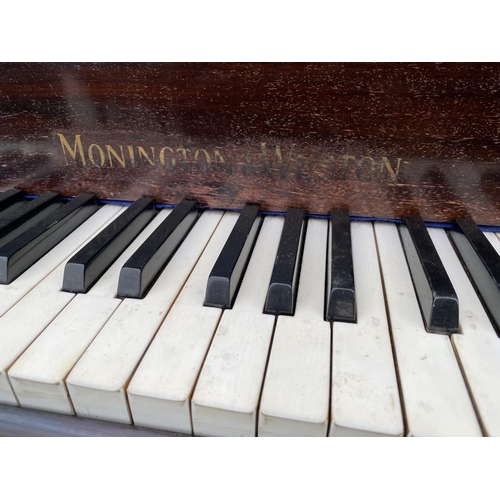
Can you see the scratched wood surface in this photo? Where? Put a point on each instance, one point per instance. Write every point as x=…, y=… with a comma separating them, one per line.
x=383, y=140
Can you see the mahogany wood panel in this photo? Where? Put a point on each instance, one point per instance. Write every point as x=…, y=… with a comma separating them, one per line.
x=383, y=140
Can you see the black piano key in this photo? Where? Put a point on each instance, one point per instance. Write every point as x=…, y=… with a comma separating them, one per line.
x=22, y=252
x=281, y=295
x=32, y=221
x=10, y=197
x=11, y=208
x=142, y=269
x=482, y=263
x=24, y=215
x=341, y=304
x=92, y=261
x=227, y=273
x=436, y=295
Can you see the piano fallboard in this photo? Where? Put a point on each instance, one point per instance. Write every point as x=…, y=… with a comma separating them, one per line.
x=382, y=140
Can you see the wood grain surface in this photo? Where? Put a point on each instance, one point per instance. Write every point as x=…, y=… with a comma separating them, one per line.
x=381, y=139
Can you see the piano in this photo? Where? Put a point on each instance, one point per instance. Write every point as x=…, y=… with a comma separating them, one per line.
x=250, y=249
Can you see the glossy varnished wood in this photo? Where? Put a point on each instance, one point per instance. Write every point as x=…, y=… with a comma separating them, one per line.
x=380, y=139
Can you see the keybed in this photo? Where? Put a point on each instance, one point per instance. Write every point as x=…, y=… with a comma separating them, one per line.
x=170, y=361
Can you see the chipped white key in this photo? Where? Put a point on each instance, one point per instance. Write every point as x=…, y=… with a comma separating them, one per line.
x=38, y=376
x=160, y=391
x=97, y=384
x=435, y=396
x=365, y=396
x=225, y=400
x=296, y=390
x=477, y=345
x=15, y=291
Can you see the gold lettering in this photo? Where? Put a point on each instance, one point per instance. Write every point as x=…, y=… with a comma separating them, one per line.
x=277, y=154
x=218, y=156
x=101, y=155
x=111, y=151
x=162, y=156
x=275, y=161
x=386, y=163
x=141, y=152
x=131, y=154
x=66, y=147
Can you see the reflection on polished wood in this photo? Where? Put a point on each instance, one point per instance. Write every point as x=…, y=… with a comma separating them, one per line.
x=383, y=140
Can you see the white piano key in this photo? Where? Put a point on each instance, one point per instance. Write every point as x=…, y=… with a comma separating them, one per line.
x=22, y=323
x=97, y=384
x=58, y=348
x=477, y=345
x=365, y=395
x=37, y=377
x=296, y=392
x=225, y=400
x=160, y=391
x=435, y=396
x=15, y=291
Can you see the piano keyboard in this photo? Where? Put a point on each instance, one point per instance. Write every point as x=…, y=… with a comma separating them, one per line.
x=168, y=362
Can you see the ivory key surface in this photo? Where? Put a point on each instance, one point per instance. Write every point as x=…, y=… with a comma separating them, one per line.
x=226, y=397
x=97, y=384
x=38, y=376
x=365, y=395
x=295, y=396
x=477, y=345
x=160, y=390
x=23, y=322
x=435, y=396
